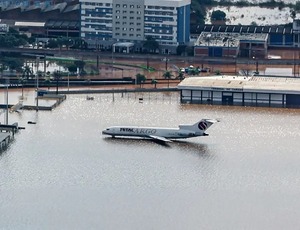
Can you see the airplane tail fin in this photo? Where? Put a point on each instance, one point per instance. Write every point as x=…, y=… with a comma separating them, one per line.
x=200, y=127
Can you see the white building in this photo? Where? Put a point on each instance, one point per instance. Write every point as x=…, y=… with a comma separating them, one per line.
x=106, y=22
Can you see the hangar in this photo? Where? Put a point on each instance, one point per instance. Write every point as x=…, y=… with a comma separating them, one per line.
x=241, y=90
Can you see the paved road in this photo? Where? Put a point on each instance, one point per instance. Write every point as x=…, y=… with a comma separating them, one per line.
x=86, y=54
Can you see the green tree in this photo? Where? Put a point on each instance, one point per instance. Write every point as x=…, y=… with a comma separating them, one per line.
x=79, y=43
x=72, y=68
x=80, y=65
x=52, y=43
x=180, y=76
x=27, y=72
x=151, y=45
x=168, y=75
x=57, y=77
x=140, y=79
x=48, y=79
x=154, y=82
x=293, y=14
x=13, y=63
x=218, y=15
x=180, y=50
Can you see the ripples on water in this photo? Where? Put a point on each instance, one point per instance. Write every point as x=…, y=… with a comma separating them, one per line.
x=62, y=173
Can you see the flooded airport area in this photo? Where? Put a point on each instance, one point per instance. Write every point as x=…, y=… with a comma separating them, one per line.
x=61, y=173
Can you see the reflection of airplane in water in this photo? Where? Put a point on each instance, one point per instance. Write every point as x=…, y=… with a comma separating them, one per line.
x=183, y=145
x=162, y=134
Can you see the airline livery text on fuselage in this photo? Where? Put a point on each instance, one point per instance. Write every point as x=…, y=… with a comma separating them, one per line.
x=138, y=131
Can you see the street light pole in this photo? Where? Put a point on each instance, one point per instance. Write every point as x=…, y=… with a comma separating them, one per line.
x=166, y=64
x=6, y=120
x=37, y=83
x=68, y=80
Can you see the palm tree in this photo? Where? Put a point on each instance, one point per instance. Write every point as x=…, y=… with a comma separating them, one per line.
x=168, y=75
x=57, y=76
x=180, y=76
x=27, y=72
x=48, y=79
x=154, y=82
x=22, y=80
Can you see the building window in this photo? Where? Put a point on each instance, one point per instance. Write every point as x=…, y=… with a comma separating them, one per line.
x=124, y=5
x=118, y=5
x=131, y=6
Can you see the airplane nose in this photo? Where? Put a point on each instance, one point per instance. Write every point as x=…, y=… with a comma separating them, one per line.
x=104, y=132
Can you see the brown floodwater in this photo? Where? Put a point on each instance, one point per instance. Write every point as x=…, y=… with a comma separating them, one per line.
x=61, y=173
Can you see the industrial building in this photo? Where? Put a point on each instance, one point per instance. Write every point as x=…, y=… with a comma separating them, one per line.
x=241, y=90
x=110, y=21
x=225, y=44
x=42, y=19
x=278, y=35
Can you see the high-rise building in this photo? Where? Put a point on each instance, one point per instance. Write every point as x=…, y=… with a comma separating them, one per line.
x=106, y=22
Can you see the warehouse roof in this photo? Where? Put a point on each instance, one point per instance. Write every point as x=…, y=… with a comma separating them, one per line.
x=252, y=84
x=228, y=39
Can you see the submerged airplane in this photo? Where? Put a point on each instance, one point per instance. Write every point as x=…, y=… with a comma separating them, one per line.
x=160, y=133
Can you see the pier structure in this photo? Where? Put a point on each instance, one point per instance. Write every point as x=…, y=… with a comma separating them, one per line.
x=7, y=133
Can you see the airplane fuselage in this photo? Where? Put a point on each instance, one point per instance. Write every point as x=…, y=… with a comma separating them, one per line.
x=148, y=131
x=161, y=133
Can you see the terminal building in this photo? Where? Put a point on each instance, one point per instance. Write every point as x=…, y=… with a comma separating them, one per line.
x=104, y=23
x=242, y=91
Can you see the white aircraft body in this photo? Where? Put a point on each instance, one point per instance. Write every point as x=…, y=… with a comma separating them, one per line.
x=160, y=133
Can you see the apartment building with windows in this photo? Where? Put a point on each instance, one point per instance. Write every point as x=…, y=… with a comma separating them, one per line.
x=107, y=22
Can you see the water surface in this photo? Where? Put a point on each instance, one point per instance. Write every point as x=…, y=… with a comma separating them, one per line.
x=63, y=174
